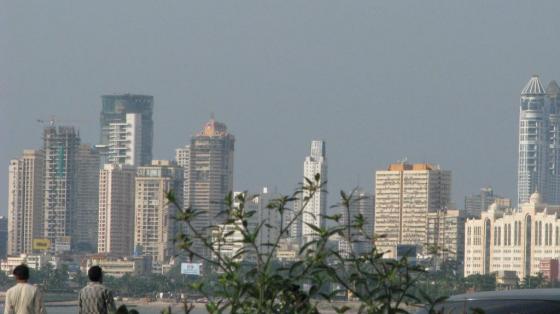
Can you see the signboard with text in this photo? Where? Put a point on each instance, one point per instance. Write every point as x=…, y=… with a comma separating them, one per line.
x=190, y=269
x=41, y=244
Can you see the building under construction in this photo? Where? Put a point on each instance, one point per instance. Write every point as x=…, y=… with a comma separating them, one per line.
x=61, y=144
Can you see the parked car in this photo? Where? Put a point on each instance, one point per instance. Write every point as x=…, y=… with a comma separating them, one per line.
x=527, y=301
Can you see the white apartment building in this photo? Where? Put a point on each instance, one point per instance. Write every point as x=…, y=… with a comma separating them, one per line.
x=506, y=239
x=25, y=201
x=316, y=208
x=155, y=226
x=404, y=195
x=32, y=261
x=118, y=266
x=116, y=210
x=268, y=219
x=124, y=141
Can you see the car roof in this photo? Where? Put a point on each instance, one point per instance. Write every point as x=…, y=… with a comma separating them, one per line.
x=518, y=294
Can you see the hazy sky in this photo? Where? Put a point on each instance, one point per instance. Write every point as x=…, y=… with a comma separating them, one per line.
x=379, y=81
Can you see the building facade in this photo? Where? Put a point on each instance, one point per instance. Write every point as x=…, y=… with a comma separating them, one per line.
x=539, y=142
x=3, y=237
x=404, y=195
x=155, y=226
x=124, y=141
x=316, y=208
x=116, y=210
x=86, y=215
x=208, y=171
x=25, y=202
x=114, y=118
x=360, y=241
x=506, y=239
x=477, y=203
x=446, y=235
x=532, y=167
x=61, y=146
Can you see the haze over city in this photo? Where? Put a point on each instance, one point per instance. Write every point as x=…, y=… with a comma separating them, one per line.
x=379, y=82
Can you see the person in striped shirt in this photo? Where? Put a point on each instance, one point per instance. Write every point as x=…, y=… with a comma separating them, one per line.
x=95, y=298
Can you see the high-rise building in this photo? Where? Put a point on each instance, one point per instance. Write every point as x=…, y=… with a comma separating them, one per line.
x=316, y=209
x=404, y=195
x=477, y=203
x=553, y=182
x=124, y=144
x=208, y=166
x=361, y=240
x=3, y=237
x=155, y=225
x=116, y=210
x=294, y=235
x=61, y=146
x=532, y=166
x=87, y=199
x=116, y=124
x=25, y=201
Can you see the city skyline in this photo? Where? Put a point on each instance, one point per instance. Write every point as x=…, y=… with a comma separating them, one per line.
x=337, y=67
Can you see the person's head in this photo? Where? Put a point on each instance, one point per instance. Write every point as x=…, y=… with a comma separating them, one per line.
x=21, y=273
x=95, y=274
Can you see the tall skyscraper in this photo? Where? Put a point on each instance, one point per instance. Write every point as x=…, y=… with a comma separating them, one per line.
x=404, y=195
x=208, y=164
x=553, y=185
x=84, y=234
x=116, y=209
x=315, y=163
x=532, y=167
x=25, y=201
x=124, y=144
x=114, y=118
x=60, y=148
x=155, y=226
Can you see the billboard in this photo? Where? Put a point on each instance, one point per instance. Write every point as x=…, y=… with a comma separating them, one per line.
x=41, y=244
x=191, y=268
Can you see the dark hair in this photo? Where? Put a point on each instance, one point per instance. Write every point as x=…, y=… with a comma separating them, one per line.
x=21, y=272
x=95, y=273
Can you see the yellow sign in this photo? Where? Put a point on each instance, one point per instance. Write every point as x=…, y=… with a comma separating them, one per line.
x=41, y=244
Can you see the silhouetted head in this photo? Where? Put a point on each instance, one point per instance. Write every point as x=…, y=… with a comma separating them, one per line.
x=95, y=274
x=21, y=273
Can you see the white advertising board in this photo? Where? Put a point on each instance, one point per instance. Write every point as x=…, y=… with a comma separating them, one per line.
x=190, y=269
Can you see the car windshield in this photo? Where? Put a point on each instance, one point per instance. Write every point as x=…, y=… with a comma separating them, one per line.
x=497, y=307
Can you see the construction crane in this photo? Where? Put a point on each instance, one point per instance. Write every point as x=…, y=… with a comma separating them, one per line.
x=50, y=122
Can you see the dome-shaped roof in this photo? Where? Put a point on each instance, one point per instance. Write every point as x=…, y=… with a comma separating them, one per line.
x=533, y=87
x=535, y=198
x=493, y=207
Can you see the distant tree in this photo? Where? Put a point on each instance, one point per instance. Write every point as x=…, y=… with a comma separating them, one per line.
x=480, y=282
x=533, y=282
